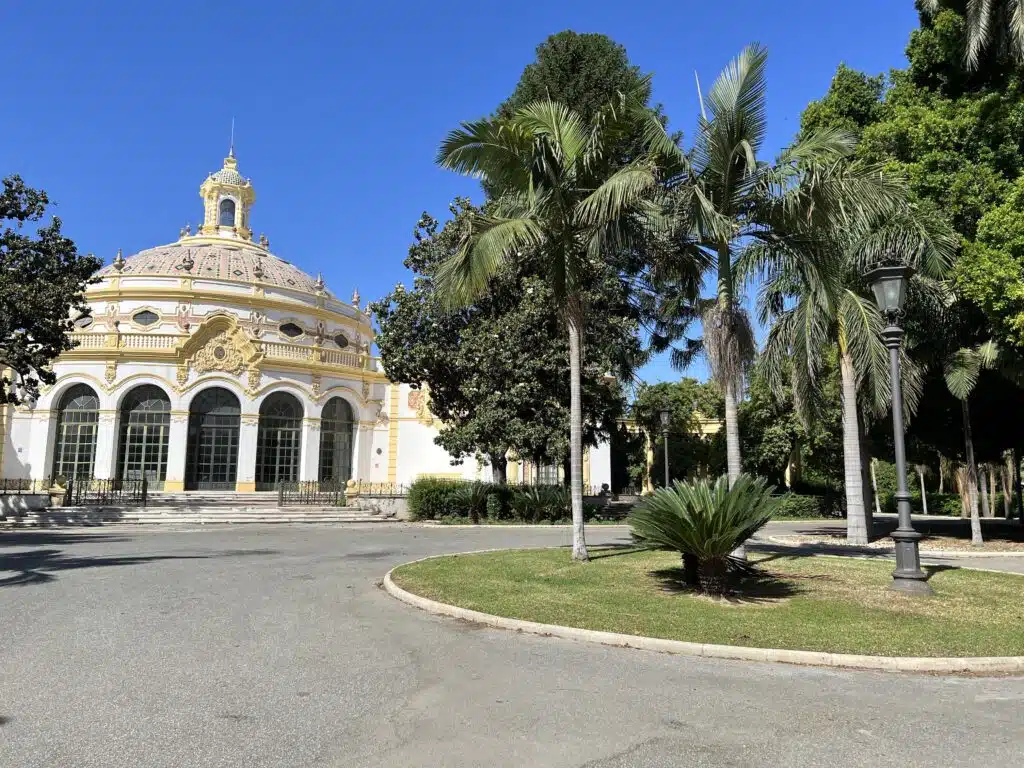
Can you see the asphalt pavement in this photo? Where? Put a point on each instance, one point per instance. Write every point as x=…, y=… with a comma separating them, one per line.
x=275, y=646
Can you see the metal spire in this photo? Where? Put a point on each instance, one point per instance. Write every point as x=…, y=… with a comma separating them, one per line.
x=231, y=147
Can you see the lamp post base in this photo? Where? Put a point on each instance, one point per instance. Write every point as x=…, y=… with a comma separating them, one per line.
x=908, y=576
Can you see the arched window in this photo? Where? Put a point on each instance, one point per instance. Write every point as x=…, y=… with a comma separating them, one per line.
x=278, y=441
x=145, y=427
x=212, y=458
x=337, y=428
x=227, y=212
x=77, y=417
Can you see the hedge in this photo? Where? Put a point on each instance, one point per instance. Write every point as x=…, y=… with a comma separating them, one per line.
x=439, y=499
x=799, y=505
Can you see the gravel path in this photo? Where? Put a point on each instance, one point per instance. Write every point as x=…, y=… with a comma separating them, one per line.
x=274, y=646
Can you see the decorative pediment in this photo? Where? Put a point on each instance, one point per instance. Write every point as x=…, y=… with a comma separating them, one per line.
x=219, y=344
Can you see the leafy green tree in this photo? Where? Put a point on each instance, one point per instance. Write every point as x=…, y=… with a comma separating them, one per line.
x=561, y=196
x=494, y=369
x=997, y=24
x=689, y=403
x=42, y=285
x=991, y=271
x=739, y=215
x=584, y=71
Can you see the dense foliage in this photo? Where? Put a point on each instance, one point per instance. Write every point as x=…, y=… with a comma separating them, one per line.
x=42, y=290
x=494, y=370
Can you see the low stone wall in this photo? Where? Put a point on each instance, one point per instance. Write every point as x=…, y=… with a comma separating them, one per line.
x=18, y=503
x=395, y=506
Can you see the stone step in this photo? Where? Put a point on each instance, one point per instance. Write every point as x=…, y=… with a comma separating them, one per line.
x=197, y=515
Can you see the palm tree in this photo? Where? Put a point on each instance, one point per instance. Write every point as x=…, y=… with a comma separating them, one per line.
x=989, y=21
x=563, y=194
x=742, y=216
x=812, y=322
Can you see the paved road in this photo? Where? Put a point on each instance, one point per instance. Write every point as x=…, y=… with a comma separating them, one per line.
x=274, y=646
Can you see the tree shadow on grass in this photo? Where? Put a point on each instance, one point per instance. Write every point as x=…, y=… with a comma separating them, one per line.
x=613, y=550
x=38, y=566
x=749, y=586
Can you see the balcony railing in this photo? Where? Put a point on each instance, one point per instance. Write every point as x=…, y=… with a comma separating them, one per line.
x=272, y=350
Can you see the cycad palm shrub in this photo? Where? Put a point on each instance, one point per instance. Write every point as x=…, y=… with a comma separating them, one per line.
x=705, y=520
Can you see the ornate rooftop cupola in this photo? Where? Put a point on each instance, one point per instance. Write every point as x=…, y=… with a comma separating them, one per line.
x=227, y=198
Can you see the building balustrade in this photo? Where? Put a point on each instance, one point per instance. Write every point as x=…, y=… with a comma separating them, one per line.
x=272, y=350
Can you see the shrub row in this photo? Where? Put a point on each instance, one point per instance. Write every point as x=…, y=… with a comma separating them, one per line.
x=440, y=499
x=800, y=505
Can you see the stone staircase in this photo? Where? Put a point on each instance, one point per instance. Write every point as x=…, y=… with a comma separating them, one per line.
x=197, y=508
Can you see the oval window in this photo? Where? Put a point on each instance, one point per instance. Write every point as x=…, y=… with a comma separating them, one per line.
x=145, y=317
x=83, y=321
x=341, y=340
x=291, y=330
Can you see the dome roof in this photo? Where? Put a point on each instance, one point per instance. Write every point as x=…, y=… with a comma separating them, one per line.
x=238, y=261
x=228, y=175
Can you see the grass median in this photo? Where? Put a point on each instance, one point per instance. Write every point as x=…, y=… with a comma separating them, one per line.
x=832, y=604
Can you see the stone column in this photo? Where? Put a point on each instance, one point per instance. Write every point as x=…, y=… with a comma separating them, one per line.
x=42, y=435
x=362, y=446
x=248, y=433
x=105, y=464
x=309, y=468
x=177, y=451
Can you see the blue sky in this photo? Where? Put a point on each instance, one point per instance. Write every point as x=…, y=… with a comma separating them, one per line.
x=123, y=108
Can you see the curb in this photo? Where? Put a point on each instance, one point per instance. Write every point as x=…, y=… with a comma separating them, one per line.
x=515, y=526
x=970, y=664
x=839, y=549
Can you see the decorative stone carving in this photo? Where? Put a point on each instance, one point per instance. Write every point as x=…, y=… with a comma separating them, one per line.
x=250, y=419
x=257, y=323
x=219, y=354
x=419, y=401
x=183, y=316
x=182, y=374
x=382, y=417
x=254, y=377
x=366, y=390
x=315, y=385
x=110, y=372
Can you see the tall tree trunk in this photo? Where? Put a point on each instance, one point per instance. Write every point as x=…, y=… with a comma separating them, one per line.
x=972, y=475
x=874, y=487
x=579, y=543
x=857, y=527
x=499, y=469
x=1006, y=475
x=732, y=433
x=1017, y=485
x=991, y=468
x=986, y=508
x=942, y=476
x=866, y=481
x=924, y=494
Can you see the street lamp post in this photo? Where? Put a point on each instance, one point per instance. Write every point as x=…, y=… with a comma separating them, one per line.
x=890, y=288
x=665, y=416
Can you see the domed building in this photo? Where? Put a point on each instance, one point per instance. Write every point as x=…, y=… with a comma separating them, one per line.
x=211, y=363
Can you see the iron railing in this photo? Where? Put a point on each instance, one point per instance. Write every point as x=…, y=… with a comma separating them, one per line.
x=380, y=489
x=22, y=486
x=101, y=493
x=327, y=493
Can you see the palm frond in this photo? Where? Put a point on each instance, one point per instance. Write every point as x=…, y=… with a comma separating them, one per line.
x=495, y=150
x=620, y=194
x=464, y=277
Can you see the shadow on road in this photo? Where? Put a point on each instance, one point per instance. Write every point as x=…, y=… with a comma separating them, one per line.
x=38, y=566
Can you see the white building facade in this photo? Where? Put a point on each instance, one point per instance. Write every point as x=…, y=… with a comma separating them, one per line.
x=210, y=363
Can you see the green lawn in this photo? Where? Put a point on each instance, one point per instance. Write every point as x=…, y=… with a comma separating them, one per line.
x=832, y=604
